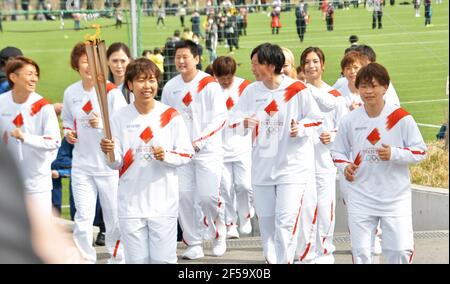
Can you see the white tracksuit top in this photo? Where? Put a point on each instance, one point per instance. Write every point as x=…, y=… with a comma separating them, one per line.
x=390, y=97
x=331, y=119
x=37, y=120
x=235, y=145
x=79, y=106
x=202, y=106
x=278, y=158
x=148, y=187
x=380, y=188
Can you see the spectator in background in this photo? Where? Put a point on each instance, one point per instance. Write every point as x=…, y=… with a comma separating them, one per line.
x=427, y=6
x=157, y=58
x=353, y=39
x=377, y=15
x=329, y=17
x=6, y=54
x=161, y=16
x=25, y=6
x=169, y=57
x=301, y=16
x=187, y=34
x=182, y=12
x=276, y=23
x=119, y=18
x=211, y=38
x=196, y=39
x=417, y=7
x=195, y=20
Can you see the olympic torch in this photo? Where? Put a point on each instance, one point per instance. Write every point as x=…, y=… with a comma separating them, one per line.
x=98, y=66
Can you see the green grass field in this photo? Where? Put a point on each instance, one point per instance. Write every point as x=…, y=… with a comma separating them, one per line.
x=416, y=56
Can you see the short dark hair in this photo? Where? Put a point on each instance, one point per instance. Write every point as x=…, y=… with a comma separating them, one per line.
x=176, y=33
x=18, y=63
x=307, y=51
x=224, y=65
x=366, y=50
x=372, y=71
x=192, y=46
x=269, y=54
x=353, y=38
x=141, y=66
x=78, y=50
x=352, y=57
x=146, y=51
x=117, y=46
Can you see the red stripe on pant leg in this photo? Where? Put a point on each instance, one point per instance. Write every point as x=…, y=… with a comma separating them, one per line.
x=116, y=248
x=185, y=242
x=306, y=252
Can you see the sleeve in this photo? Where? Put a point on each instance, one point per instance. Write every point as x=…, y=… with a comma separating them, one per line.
x=341, y=148
x=118, y=150
x=182, y=151
x=51, y=137
x=218, y=113
x=66, y=115
x=414, y=150
x=391, y=96
x=341, y=111
x=310, y=119
x=326, y=101
x=238, y=113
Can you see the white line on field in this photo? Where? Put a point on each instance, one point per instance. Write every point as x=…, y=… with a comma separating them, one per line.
x=429, y=125
x=425, y=101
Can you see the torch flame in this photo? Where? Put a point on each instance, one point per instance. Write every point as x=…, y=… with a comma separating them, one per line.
x=94, y=37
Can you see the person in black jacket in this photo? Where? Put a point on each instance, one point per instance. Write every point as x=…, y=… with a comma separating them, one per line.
x=301, y=14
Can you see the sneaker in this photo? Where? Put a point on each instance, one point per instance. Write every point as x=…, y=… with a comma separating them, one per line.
x=232, y=232
x=324, y=259
x=100, y=241
x=193, y=252
x=219, y=246
x=377, y=245
x=246, y=226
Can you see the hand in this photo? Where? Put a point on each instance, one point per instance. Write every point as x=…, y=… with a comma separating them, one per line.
x=250, y=122
x=158, y=153
x=17, y=133
x=94, y=120
x=294, y=128
x=107, y=145
x=71, y=137
x=385, y=152
x=350, y=172
x=55, y=174
x=325, y=138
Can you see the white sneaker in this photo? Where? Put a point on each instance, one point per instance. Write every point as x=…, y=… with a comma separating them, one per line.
x=219, y=246
x=377, y=245
x=324, y=259
x=232, y=232
x=193, y=252
x=246, y=226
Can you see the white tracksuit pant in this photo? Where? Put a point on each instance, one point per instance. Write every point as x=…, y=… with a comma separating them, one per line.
x=326, y=203
x=236, y=190
x=149, y=240
x=278, y=211
x=306, y=244
x=85, y=189
x=199, y=183
x=398, y=238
